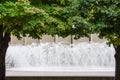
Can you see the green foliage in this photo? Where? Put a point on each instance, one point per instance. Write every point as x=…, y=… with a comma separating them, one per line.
x=15, y=15
x=56, y=17
x=57, y=22
x=23, y=19
x=109, y=13
x=95, y=16
x=78, y=14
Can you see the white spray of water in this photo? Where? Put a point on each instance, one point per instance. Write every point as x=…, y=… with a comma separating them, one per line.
x=57, y=54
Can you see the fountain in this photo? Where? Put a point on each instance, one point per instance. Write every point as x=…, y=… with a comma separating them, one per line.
x=56, y=57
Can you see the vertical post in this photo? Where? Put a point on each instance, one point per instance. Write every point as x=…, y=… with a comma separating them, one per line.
x=71, y=39
x=55, y=40
x=90, y=38
x=73, y=26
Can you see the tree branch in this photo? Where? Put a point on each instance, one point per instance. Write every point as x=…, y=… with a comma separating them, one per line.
x=11, y=29
x=6, y=39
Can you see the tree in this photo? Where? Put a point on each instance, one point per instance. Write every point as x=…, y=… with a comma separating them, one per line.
x=33, y=20
x=110, y=17
x=101, y=17
x=56, y=17
x=13, y=16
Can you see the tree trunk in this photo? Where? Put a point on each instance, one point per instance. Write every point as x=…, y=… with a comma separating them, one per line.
x=4, y=40
x=2, y=65
x=117, y=61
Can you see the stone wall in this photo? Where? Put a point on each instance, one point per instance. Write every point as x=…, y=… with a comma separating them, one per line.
x=46, y=38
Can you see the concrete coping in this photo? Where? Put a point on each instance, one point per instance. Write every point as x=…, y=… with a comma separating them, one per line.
x=60, y=72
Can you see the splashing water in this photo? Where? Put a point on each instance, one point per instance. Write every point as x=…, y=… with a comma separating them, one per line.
x=57, y=54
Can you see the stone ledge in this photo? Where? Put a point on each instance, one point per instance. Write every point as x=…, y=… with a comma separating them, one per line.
x=59, y=72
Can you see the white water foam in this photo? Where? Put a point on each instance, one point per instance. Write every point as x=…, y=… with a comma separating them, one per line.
x=56, y=54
